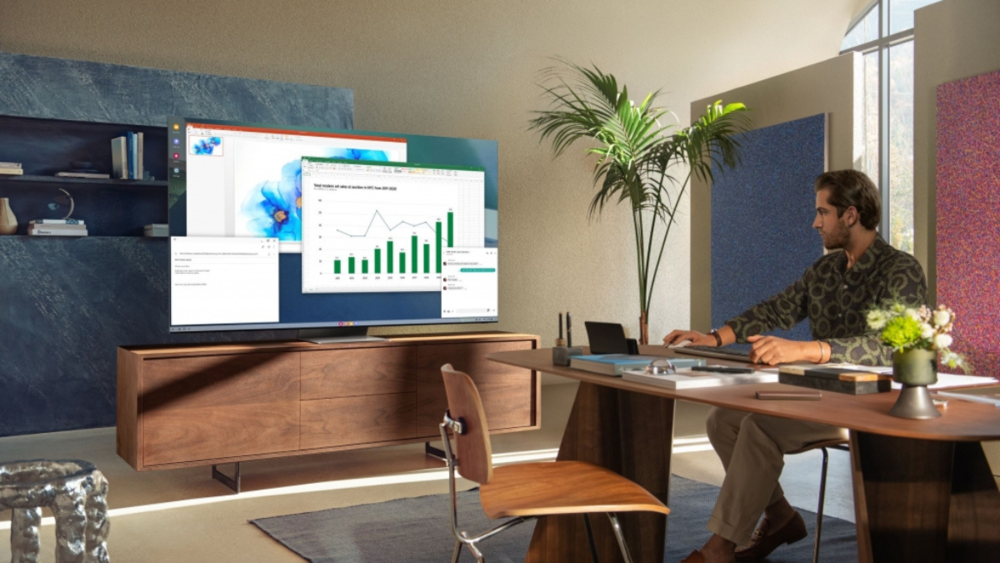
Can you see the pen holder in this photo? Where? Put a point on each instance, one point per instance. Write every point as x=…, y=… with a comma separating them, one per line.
x=562, y=354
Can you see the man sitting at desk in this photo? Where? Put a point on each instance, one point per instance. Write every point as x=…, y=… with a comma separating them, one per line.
x=835, y=294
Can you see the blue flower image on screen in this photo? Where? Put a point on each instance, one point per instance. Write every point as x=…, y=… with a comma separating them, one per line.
x=207, y=145
x=274, y=207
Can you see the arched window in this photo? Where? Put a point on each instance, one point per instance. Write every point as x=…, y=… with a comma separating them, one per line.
x=883, y=33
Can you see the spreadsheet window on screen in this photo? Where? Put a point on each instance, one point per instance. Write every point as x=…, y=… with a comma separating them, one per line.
x=385, y=226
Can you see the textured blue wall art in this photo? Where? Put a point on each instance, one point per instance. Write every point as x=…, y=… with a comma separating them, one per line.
x=67, y=304
x=762, y=214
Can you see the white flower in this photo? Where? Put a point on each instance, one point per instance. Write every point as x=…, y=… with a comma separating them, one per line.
x=913, y=314
x=942, y=317
x=926, y=331
x=876, y=319
x=898, y=307
x=942, y=341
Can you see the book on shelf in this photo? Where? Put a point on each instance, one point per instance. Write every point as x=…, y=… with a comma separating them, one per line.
x=156, y=230
x=95, y=175
x=10, y=164
x=126, y=156
x=56, y=231
x=685, y=378
x=67, y=222
x=11, y=171
x=119, y=158
x=139, y=172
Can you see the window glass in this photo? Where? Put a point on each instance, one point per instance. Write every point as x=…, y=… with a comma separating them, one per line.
x=901, y=146
x=901, y=13
x=854, y=37
x=871, y=25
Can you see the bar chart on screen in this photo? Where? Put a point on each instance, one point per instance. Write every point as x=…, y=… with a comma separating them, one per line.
x=370, y=229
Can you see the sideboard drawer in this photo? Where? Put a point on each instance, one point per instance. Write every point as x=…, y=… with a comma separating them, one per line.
x=358, y=420
x=359, y=371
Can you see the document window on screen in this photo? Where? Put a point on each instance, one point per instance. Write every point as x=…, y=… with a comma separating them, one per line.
x=386, y=227
x=244, y=181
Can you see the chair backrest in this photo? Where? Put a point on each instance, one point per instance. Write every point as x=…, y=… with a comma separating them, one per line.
x=475, y=456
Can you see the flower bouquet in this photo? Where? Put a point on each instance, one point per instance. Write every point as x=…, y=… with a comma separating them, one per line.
x=918, y=336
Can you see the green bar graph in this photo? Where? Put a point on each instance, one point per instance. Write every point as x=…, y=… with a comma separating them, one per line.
x=402, y=262
x=364, y=265
x=451, y=230
x=388, y=257
x=413, y=248
x=437, y=244
x=378, y=260
x=427, y=258
x=336, y=266
x=350, y=265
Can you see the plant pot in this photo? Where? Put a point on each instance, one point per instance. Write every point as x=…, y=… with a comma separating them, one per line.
x=915, y=367
x=8, y=223
x=915, y=370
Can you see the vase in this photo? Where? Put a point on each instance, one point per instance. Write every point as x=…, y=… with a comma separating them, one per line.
x=915, y=370
x=8, y=222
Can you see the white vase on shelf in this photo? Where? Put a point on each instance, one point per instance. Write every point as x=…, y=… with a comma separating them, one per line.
x=8, y=222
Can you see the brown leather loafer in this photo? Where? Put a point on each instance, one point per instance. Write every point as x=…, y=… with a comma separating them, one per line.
x=695, y=557
x=765, y=541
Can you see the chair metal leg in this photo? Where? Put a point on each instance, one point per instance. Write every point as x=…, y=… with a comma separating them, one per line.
x=590, y=537
x=458, y=551
x=819, y=510
x=621, y=537
x=476, y=553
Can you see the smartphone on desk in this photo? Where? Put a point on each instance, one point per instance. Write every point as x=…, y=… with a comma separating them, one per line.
x=789, y=395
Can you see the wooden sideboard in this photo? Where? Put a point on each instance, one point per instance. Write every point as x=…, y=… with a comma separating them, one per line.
x=181, y=406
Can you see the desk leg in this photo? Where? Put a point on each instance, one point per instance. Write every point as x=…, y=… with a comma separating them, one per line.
x=631, y=434
x=923, y=500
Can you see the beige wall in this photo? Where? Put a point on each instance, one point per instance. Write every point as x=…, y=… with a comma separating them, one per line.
x=954, y=39
x=826, y=87
x=469, y=69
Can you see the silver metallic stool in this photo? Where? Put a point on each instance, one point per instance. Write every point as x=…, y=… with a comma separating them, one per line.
x=75, y=491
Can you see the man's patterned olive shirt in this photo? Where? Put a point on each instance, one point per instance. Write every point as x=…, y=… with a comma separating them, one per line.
x=836, y=301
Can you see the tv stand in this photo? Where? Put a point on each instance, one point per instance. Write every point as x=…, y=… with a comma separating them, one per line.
x=333, y=335
x=220, y=404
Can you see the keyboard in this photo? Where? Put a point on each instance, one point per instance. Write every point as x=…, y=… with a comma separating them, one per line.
x=736, y=352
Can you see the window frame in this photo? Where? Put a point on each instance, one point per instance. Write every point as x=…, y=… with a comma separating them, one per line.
x=881, y=45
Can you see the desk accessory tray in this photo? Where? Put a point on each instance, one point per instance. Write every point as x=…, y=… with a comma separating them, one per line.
x=851, y=382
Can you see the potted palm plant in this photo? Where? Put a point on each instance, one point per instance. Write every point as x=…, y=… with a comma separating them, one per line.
x=640, y=161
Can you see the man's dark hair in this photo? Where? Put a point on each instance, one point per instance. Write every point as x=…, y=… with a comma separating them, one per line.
x=850, y=188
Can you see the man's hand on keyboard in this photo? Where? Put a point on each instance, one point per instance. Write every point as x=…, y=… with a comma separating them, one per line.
x=694, y=337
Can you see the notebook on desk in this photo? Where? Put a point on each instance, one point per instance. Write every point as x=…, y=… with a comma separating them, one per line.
x=735, y=352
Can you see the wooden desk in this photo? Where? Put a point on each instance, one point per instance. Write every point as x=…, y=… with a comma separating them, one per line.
x=923, y=490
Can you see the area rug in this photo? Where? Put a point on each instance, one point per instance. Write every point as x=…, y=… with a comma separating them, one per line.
x=416, y=530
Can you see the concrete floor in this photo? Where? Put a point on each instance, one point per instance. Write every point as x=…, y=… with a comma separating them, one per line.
x=184, y=515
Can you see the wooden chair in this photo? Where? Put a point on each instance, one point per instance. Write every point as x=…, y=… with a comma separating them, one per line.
x=835, y=444
x=527, y=490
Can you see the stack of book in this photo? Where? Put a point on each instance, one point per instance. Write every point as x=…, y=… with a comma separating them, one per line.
x=851, y=380
x=57, y=228
x=126, y=156
x=156, y=230
x=11, y=169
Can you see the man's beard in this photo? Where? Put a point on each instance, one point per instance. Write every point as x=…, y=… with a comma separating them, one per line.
x=839, y=239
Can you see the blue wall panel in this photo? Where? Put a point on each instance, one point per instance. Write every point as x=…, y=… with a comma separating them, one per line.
x=762, y=214
x=67, y=304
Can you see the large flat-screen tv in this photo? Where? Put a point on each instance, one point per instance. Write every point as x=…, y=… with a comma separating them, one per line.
x=279, y=227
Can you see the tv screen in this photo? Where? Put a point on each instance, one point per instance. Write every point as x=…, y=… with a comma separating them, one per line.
x=276, y=227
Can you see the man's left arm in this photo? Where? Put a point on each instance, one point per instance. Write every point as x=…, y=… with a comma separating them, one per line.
x=905, y=282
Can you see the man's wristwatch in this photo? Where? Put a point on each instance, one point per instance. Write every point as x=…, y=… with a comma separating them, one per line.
x=718, y=339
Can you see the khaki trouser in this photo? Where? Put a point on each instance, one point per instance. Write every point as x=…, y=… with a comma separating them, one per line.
x=752, y=449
